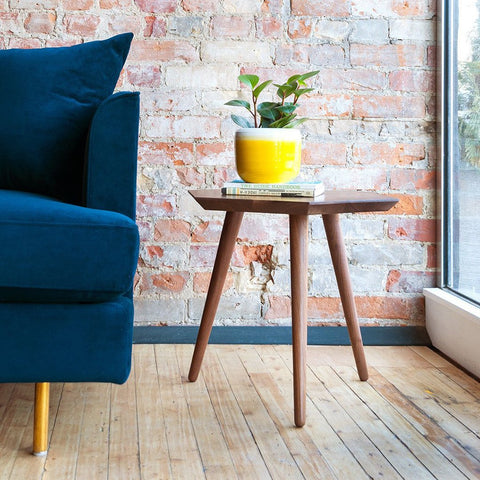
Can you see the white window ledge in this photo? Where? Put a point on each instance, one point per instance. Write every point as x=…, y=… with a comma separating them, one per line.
x=453, y=325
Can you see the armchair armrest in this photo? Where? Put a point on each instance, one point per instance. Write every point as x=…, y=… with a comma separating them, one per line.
x=111, y=155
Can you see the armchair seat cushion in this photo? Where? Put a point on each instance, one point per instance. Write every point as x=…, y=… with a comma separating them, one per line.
x=54, y=252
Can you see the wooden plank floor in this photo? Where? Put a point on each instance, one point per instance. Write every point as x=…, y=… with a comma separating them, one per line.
x=417, y=417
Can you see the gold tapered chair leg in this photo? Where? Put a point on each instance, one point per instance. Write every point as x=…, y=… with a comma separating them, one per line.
x=40, y=421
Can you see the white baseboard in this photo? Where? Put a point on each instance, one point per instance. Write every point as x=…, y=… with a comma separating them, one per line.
x=453, y=325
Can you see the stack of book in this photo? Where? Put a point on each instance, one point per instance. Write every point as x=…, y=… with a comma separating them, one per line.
x=294, y=189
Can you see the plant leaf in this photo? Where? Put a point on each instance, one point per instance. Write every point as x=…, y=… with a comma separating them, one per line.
x=249, y=80
x=287, y=109
x=282, y=122
x=242, y=121
x=239, y=103
x=267, y=110
x=294, y=78
x=296, y=122
x=261, y=87
x=308, y=75
x=285, y=91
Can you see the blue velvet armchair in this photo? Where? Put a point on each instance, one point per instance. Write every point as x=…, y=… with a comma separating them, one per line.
x=69, y=242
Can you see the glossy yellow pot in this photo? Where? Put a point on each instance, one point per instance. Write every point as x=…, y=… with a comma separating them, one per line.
x=268, y=155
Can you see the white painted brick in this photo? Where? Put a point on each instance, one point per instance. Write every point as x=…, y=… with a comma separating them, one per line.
x=387, y=253
x=364, y=281
x=200, y=77
x=238, y=52
x=421, y=30
x=160, y=310
x=243, y=6
x=331, y=30
x=231, y=307
x=353, y=228
x=371, y=31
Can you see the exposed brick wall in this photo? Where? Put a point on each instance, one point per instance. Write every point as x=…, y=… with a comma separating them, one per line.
x=372, y=128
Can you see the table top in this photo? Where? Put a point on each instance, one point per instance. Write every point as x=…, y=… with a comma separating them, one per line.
x=332, y=201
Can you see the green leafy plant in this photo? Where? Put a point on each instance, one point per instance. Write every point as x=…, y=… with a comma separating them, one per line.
x=280, y=114
x=469, y=111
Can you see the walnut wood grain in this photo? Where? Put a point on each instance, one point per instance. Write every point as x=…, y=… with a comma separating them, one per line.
x=334, y=201
x=299, y=289
x=330, y=205
x=231, y=225
x=340, y=266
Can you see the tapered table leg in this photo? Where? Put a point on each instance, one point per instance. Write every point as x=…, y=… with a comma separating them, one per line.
x=226, y=245
x=40, y=419
x=299, y=291
x=340, y=265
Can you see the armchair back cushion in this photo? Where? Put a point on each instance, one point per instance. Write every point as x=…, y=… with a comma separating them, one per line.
x=47, y=100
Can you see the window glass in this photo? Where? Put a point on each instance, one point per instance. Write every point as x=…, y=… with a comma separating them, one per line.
x=463, y=160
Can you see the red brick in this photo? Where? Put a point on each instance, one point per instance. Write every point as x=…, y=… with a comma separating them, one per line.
x=263, y=229
x=388, y=153
x=40, y=22
x=412, y=179
x=352, y=79
x=201, y=5
x=208, y=231
x=278, y=307
x=432, y=56
x=412, y=81
x=286, y=54
x=145, y=230
x=245, y=254
x=170, y=230
x=411, y=310
x=162, y=51
x=319, y=153
x=387, y=55
x=59, y=42
x=155, y=205
x=25, y=43
x=154, y=251
x=190, y=176
x=413, y=8
x=407, y=205
x=170, y=282
x=215, y=153
x=157, y=6
x=8, y=22
x=269, y=27
x=144, y=75
x=325, y=8
x=201, y=282
x=432, y=256
x=299, y=28
x=82, y=24
x=77, y=4
x=272, y=6
x=163, y=153
x=230, y=27
x=224, y=174
x=378, y=106
x=409, y=281
x=327, y=105
x=109, y=4
x=324, y=307
x=419, y=229
x=202, y=255
x=155, y=27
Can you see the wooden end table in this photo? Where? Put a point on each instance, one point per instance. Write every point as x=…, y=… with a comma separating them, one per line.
x=330, y=205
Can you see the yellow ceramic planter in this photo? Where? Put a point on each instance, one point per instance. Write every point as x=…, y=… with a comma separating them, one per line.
x=268, y=155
